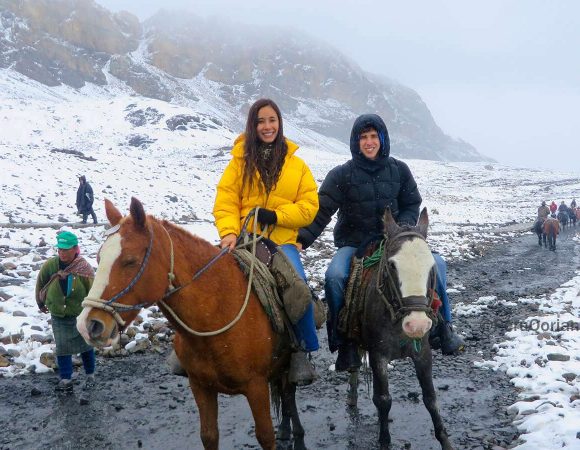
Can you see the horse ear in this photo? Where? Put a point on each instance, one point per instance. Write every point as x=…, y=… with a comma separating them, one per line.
x=113, y=214
x=138, y=213
x=390, y=226
x=423, y=223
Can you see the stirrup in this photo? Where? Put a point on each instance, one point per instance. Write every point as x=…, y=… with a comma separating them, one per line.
x=301, y=372
x=451, y=342
x=348, y=358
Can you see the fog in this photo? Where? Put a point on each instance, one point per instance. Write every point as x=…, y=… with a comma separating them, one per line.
x=501, y=75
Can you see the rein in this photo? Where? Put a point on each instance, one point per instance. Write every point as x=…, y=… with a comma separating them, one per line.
x=114, y=308
x=200, y=272
x=403, y=305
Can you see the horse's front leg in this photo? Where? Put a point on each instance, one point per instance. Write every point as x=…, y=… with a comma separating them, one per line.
x=290, y=414
x=258, y=395
x=208, y=415
x=423, y=368
x=381, y=396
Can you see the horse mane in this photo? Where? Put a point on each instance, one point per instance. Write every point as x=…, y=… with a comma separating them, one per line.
x=180, y=232
x=198, y=248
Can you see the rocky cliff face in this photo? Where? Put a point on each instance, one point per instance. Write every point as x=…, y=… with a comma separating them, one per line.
x=64, y=41
x=183, y=58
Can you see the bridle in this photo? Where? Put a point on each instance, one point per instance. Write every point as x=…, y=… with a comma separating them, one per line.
x=114, y=308
x=390, y=292
x=111, y=306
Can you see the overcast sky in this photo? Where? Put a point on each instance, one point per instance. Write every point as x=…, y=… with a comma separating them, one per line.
x=504, y=75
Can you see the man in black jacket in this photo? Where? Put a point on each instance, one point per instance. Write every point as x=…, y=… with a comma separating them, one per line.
x=85, y=200
x=360, y=190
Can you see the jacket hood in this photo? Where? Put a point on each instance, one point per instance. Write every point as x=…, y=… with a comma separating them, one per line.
x=374, y=121
x=238, y=149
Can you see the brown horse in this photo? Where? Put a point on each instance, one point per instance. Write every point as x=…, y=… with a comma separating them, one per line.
x=224, y=339
x=551, y=231
x=395, y=316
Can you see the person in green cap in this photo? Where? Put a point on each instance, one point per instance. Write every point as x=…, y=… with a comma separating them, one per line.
x=62, y=284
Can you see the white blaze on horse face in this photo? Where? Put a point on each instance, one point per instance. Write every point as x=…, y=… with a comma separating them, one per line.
x=414, y=262
x=110, y=251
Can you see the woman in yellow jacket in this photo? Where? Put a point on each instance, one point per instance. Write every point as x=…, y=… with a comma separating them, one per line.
x=265, y=172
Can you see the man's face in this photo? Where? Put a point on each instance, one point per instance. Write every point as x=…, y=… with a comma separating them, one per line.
x=370, y=144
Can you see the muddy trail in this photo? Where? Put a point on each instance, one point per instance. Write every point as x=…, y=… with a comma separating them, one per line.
x=137, y=404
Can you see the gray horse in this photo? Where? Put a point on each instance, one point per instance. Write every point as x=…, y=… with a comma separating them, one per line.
x=395, y=317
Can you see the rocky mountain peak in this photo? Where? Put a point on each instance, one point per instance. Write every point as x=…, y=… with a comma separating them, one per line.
x=180, y=57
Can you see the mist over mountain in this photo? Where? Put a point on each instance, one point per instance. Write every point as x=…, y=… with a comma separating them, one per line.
x=217, y=68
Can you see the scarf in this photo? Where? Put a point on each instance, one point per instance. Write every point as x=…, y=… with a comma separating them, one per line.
x=79, y=267
x=264, y=163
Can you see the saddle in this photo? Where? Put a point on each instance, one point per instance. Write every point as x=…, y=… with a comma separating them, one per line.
x=278, y=285
x=350, y=316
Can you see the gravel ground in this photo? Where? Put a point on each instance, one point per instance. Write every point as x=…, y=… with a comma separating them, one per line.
x=137, y=404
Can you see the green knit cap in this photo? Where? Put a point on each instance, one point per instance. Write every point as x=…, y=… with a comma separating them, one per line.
x=66, y=240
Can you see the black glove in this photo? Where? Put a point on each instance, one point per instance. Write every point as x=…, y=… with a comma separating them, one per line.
x=266, y=217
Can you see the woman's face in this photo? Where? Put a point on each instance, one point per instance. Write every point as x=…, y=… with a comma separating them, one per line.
x=67, y=255
x=268, y=125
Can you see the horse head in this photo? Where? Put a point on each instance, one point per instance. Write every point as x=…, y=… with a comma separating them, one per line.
x=128, y=254
x=407, y=274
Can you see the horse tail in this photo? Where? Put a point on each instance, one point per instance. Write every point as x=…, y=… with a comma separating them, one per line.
x=276, y=396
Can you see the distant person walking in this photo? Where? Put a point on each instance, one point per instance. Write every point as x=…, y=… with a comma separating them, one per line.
x=85, y=200
x=62, y=284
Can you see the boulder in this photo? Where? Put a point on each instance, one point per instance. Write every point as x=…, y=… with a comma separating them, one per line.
x=557, y=357
x=48, y=359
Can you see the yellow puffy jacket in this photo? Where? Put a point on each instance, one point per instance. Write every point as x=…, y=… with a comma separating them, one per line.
x=294, y=199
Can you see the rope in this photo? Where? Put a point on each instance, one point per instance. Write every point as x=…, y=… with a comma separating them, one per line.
x=416, y=344
x=264, y=285
x=170, y=274
x=240, y=312
x=375, y=258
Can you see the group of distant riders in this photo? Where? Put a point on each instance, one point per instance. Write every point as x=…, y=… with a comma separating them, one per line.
x=566, y=215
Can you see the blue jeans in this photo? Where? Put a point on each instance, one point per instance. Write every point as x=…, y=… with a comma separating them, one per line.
x=305, y=329
x=65, y=368
x=334, y=284
x=441, y=286
x=335, y=281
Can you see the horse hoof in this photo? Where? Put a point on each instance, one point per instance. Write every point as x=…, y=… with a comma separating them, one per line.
x=284, y=433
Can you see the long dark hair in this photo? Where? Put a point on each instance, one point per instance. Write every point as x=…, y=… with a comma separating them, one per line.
x=271, y=167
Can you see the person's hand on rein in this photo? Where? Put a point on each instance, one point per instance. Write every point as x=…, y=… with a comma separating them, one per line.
x=229, y=240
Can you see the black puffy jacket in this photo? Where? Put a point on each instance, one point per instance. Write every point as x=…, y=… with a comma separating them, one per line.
x=361, y=189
